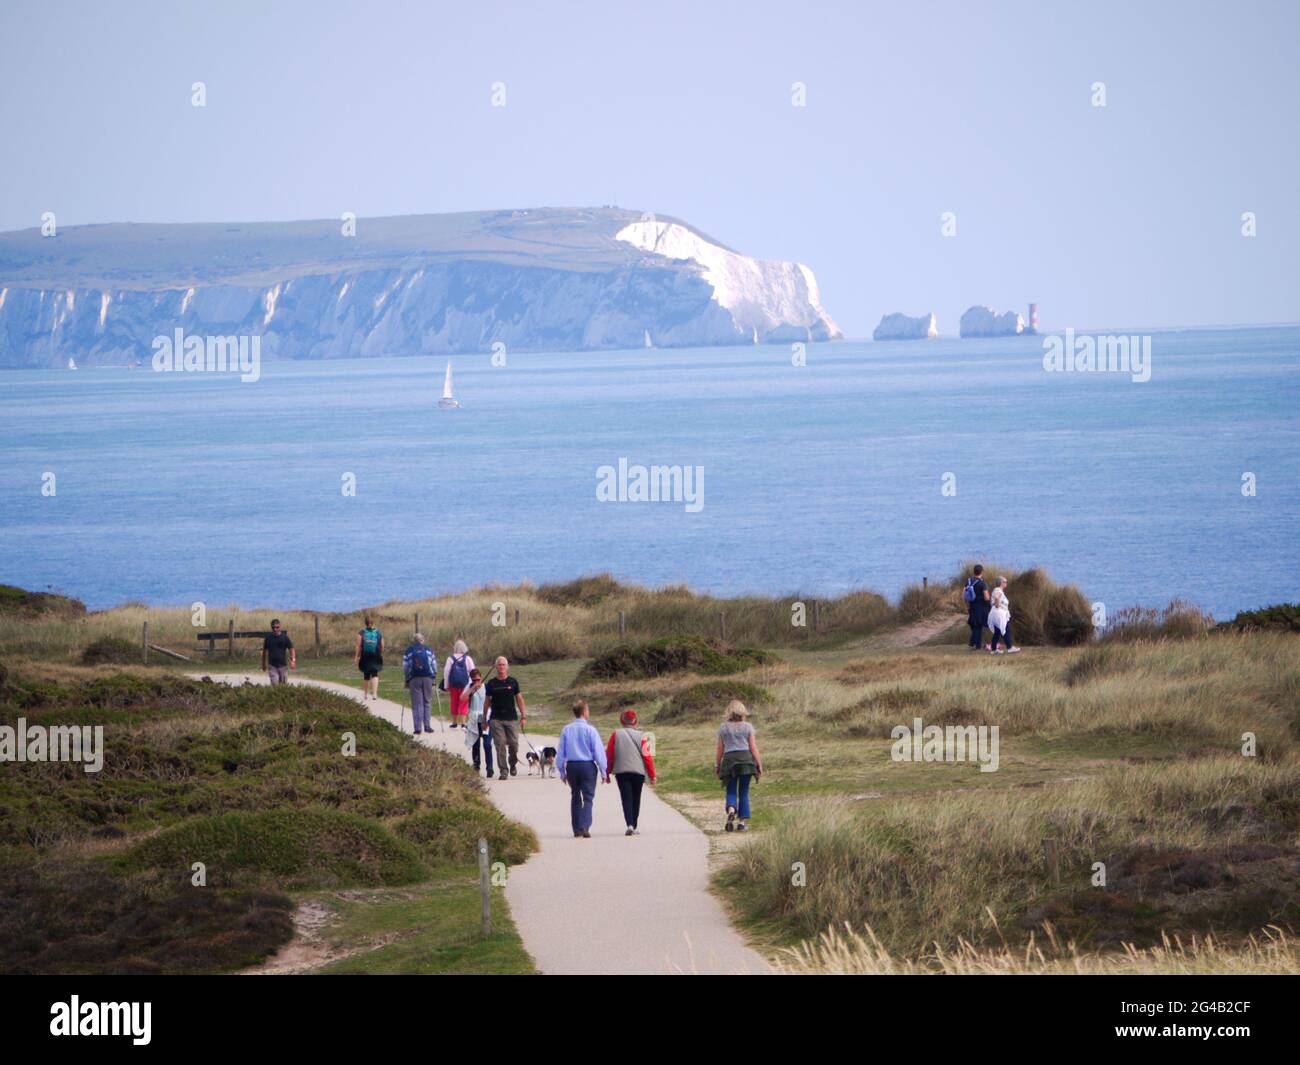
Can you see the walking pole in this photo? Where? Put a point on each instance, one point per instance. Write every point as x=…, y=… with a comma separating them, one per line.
x=401, y=714
x=438, y=692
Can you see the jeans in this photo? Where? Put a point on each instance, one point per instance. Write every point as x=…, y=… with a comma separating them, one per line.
x=505, y=734
x=629, y=790
x=738, y=794
x=582, y=792
x=484, y=740
x=421, y=689
x=278, y=674
x=977, y=633
x=1006, y=637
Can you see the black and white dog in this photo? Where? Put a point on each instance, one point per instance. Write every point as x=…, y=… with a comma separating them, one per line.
x=545, y=762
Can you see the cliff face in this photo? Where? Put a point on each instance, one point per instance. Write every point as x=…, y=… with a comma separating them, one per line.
x=902, y=327
x=985, y=322
x=550, y=279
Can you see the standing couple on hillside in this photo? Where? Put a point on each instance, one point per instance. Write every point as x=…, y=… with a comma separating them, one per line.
x=988, y=609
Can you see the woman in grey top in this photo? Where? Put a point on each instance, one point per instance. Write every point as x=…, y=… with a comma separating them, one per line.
x=737, y=763
x=631, y=759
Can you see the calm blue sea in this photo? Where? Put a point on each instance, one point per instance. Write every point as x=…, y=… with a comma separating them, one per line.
x=173, y=488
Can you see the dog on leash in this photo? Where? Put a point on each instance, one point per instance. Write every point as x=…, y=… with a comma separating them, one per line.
x=544, y=762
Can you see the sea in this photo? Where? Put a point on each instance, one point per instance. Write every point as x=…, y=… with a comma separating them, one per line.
x=791, y=469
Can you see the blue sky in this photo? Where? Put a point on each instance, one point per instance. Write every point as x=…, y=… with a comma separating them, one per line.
x=1116, y=216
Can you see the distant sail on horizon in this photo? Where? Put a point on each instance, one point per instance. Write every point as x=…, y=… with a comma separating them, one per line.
x=448, y=400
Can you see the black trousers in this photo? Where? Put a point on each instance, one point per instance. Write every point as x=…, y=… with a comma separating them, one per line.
x=629, y=790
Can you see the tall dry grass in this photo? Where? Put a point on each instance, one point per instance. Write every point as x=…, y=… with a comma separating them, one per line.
x=923, y=870
x=848, y=952
x=554, y=622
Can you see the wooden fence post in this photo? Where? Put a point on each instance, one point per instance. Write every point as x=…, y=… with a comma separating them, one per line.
x=722, y=626
x=817, y=615
x=516, y=615
x=144, y=644
x=1053, y=856
x=925, y=584
x=316, y=619
x=417, y=621
x=485, y=887
x=622, y=624
x=230, y=638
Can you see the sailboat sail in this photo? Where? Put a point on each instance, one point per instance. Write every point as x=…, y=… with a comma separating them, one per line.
x=447, y=401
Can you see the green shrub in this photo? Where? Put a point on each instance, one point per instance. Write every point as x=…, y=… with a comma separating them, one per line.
x=671, y=654
x=451, y=834
x=310, y=847
x=110, y=650
x=584, y=591
x=710, y=698
x=1281, y=617
x=21, y=602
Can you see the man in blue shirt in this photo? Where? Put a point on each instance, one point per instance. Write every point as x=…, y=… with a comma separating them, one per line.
x=580, y=760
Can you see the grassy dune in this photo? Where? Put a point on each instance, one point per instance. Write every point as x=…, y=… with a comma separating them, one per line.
x=252, y=782
x=1125, y=751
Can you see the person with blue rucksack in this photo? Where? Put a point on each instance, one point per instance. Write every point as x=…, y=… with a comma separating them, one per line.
x=369, y=656
x=976, y=596
x=455, y=679
x=419, y=667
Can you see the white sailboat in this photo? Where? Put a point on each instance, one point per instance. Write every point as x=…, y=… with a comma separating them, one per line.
x=448, y=401
x=72, y=364
x=648, y=342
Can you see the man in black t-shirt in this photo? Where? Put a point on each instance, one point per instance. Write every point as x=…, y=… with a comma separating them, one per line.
x=278, y=655
x=507, y=715
x=977, y=613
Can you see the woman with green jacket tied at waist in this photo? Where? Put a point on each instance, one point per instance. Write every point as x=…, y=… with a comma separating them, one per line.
x=737, y=763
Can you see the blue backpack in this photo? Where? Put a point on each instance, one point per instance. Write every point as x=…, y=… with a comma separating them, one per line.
x=459, y=674
x=370, y=641
x=969, y=593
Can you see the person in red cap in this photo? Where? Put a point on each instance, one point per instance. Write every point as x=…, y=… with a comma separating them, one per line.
x=631, y=761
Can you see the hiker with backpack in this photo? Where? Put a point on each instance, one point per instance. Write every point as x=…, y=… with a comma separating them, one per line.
x=631, y=762
x=455, y=679
x=1000, y=618
x=478, y=723
x=369, y=656
x=976, y=596
x=737, y=763
x=419, y=665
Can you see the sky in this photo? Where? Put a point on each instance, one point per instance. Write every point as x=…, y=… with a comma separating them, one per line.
x=1124, y=215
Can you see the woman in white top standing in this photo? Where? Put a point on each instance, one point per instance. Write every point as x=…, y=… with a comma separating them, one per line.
x=1000, y=618
x=455, y=679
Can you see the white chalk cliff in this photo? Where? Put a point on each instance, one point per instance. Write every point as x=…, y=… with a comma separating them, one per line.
x=903, y=327
x=985, y=322
x=548, y=279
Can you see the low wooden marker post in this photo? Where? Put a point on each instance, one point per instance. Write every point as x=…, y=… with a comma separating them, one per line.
x=622, y=624
x=316, y=619
x=485, y=886
x=417, y=621
x=144, y=644
x=722, y=626
x=230, y=638
x=1053, y=856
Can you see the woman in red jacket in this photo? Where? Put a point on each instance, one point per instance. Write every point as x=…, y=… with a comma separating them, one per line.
x=631, y=760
